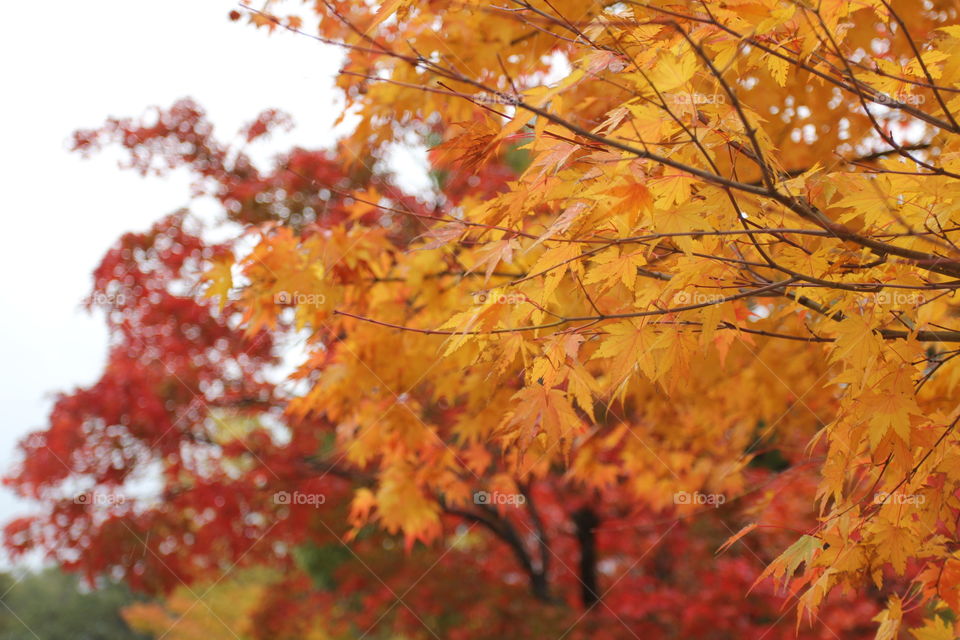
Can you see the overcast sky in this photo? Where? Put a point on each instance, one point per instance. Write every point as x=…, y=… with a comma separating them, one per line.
x=69, y=66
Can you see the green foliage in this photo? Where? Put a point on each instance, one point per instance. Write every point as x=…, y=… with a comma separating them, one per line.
x=53, y=605
x=320, y=562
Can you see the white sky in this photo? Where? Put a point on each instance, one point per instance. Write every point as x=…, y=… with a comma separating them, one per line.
x=68, y=65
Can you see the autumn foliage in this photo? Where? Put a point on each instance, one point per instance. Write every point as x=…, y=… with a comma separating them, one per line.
x=668, y=351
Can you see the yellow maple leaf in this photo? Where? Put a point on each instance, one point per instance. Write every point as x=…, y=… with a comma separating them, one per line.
x=219, y=280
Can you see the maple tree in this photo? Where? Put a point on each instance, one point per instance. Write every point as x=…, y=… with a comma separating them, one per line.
x=204, y=423
x=676, y=249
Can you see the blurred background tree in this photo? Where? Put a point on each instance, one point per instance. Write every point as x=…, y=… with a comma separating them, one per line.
x=53, y=605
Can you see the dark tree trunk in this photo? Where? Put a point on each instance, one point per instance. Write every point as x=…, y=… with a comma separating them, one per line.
x=586, y=520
